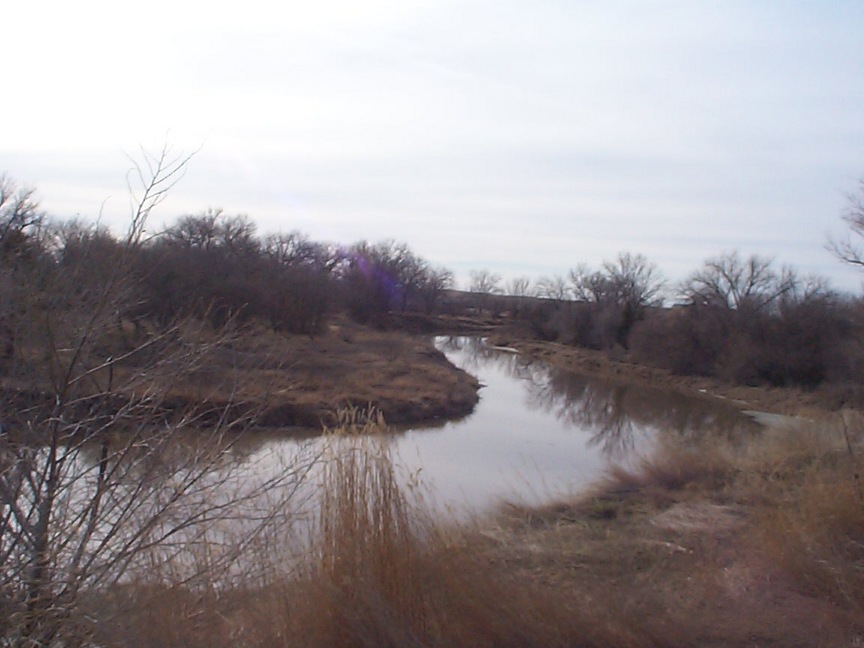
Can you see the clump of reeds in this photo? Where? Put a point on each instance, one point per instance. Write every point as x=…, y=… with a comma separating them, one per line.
x=384, y=573
x=363, y=564
x=673, y=470
x=379, y=571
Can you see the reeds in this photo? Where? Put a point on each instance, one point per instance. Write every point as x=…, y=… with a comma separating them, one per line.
x=814, y=525
x=384, y=573
x=379, y=571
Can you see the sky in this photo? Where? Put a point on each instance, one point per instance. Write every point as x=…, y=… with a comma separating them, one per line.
x=524, y=137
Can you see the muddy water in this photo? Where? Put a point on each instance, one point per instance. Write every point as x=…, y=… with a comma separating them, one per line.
x=536, y=433
x=539, y=432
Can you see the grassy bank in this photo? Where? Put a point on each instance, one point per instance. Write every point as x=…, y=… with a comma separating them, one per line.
x=301, y=380
x=716, y=544
x=275, y=379
x=787, y=400
x=760, y=543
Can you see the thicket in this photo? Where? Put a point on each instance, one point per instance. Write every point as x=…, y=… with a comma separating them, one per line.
x=211, y=266
x=737, y=318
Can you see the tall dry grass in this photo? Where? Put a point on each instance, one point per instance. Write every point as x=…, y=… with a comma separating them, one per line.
x=812, y=522
x=379, y=571
x=383, y=572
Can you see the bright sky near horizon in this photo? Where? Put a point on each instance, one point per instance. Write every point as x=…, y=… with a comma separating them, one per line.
x=522, y=137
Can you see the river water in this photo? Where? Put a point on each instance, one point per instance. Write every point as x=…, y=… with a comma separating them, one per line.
x=539, y=432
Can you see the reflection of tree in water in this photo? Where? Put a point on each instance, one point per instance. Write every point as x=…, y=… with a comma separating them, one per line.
x=615, y=413
x=581, y=402
x=155, y=453
x=476, y=353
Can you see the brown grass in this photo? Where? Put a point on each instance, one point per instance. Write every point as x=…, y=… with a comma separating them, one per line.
x=379, y=572
x=813, y=527
x=382, y=573
x=716, y=544
x=758, y=542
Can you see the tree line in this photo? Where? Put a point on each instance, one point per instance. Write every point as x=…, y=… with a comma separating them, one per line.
x=211, y=265
x=740, y=318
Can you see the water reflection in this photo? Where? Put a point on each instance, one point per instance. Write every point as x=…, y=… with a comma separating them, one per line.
x=615, y=413
x=536, y=433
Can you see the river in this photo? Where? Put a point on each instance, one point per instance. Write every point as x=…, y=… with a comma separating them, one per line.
x=539, y=432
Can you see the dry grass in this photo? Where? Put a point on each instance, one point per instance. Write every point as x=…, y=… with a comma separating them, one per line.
x=717, y=544
x=813, y=524
x=759, y=542
x=383, y=573
x=379, y=572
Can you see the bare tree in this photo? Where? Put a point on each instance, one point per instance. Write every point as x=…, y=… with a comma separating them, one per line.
x=637, y=283
x=519, y=287
x=615, y=298
x=484, y=284
x=384, y=276
x=592, y=286
x=555, y=288
x=295, y=249
x=484, y=281
x=213, y=229
x=849, y=249
x=736, y=283
x=103, y=472
x=19, y=216
x=436, y=282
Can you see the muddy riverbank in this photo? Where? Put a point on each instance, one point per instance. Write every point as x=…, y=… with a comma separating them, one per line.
x=787, y=401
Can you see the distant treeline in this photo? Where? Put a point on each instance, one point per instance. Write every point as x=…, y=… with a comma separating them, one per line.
x=211, y=266
x=741, y=319
x=738, y=318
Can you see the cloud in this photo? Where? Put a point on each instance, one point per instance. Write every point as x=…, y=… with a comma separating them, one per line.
x=510, y=134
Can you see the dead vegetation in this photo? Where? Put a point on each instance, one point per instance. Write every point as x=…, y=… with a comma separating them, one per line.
x=755, y=543
x=304, y=381
x=378, y=572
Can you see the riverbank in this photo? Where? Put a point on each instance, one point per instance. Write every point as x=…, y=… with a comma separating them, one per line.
x=301, y=381
x=253, y=375
x=788, y=401
x=723, y=545
x=294, y=381
x=714, y=544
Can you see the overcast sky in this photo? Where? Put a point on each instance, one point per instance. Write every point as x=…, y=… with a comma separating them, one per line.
x=520, y=136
